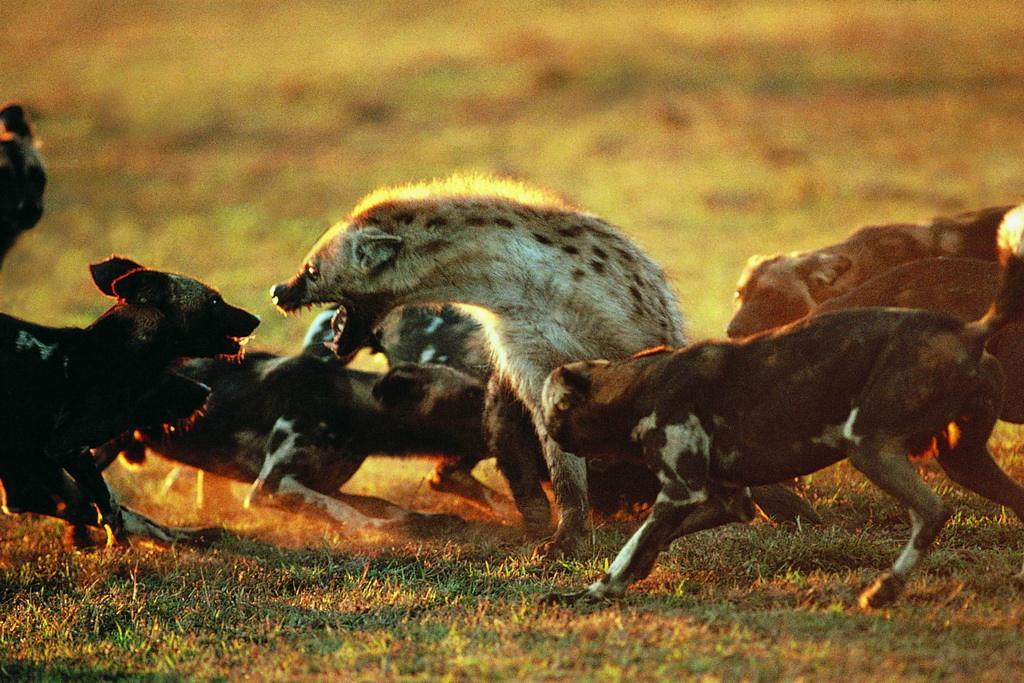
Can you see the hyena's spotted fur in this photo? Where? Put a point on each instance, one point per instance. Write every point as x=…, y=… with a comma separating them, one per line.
x=548, y=282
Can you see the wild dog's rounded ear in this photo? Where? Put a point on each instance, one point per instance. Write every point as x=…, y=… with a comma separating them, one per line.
x=575, y=376
x=105, y=272
x=372, y=248
x=12, y=117
x=142, y=287
x=822, y=270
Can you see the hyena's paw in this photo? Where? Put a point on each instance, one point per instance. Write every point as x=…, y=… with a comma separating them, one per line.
x=558, y=547
x=882, y=592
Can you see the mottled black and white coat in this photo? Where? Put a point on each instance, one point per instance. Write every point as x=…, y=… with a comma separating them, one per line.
x=299, y=427
x=549, y=283
x=873, y=385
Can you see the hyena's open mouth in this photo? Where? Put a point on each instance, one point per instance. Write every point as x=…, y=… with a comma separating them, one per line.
x=352, y=327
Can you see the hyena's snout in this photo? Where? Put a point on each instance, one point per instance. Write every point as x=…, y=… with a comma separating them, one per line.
x=290, y=295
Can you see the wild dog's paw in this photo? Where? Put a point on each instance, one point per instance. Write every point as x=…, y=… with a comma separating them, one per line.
x=882, y=592
x=80, y=537
x=424, y=524
x=583, y=597
x=202, y=537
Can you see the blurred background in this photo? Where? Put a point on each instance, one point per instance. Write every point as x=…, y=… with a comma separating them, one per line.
x=220, y=138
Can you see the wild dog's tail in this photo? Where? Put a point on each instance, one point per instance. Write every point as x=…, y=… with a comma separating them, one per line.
x=1008, y=305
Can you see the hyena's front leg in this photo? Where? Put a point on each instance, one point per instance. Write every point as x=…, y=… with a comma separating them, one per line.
x=569, y=481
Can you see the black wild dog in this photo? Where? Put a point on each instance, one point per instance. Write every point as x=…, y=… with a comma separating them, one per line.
x=22, y=177
x=776, y=290
x=299, y=427
x=872, y=385
x=66, y=390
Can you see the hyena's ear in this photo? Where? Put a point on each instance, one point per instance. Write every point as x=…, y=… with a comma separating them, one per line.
x=143, y=287
x=372, y=249
x=106, y=272
x=822, y=270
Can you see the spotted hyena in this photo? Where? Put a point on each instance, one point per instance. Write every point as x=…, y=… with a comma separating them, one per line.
x=775, y=290
x=873, y=385
x=548, y=282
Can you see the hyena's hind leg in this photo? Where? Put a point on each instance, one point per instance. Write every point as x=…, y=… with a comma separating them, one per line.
x=885, y=463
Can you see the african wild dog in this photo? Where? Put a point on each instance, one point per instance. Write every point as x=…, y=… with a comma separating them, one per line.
x=298, y=427
x=871, y=384
x=22, y=177
x=445, y=335
x=66, y=390
x=776, y=290
x=549, y=284
x=959, y=286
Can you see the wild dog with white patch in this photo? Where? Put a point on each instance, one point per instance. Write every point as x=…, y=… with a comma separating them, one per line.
x=549, y=283
x=299, y=427
x=872, y=385
x=66, y=390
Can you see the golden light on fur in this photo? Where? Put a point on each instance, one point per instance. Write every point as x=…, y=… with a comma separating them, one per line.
x=475, y=186
x=945, y=441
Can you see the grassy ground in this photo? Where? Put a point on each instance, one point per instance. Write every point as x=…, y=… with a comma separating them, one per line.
x=221, y=138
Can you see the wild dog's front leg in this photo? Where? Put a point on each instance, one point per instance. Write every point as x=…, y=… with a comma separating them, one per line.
x=292, y=495
x=82, y=468
x=676, y=512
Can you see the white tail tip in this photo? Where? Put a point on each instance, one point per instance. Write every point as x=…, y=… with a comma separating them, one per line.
x=1011, y=233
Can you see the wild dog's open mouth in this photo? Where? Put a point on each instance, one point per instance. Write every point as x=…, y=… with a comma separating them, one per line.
x=233, y=347
x=351, y=331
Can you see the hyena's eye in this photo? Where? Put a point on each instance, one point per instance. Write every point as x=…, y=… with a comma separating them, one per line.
x=312, y=272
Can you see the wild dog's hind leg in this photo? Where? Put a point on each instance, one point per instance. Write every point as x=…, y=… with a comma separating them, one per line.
x=885, y=463
x=970, y=464
x=455, y=476
x=512, y=438
x=294, y=454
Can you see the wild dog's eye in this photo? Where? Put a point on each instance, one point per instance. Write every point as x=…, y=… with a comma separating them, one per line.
x=312, y=272
x=216, y=301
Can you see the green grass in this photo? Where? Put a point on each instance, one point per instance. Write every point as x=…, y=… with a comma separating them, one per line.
x=219, y=139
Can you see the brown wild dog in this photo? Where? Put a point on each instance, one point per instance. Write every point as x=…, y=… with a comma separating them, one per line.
x=775, y=290
x=66, y=390
x=871, y=384
x=549, y=283
x=962, y=287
